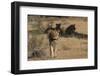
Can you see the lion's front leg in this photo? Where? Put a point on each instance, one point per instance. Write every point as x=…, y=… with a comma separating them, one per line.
x=55, y=48
x=51, y=51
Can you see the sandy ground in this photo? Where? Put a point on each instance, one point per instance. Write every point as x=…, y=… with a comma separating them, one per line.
x=67, y=48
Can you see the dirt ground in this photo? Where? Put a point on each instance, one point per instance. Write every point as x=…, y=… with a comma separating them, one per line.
x=72, y=49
